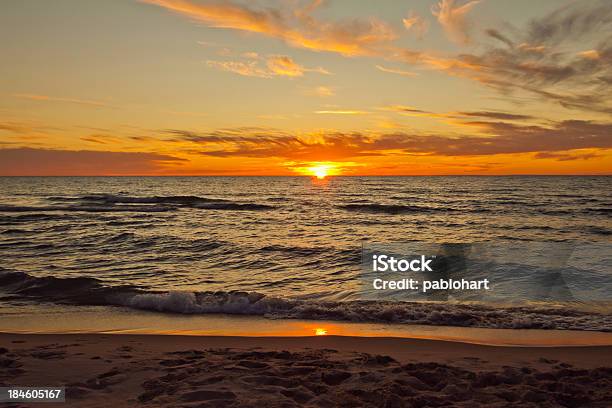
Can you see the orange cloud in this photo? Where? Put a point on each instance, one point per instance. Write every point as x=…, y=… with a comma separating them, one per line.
x=341, y=112
x=299, y=28
x=281, y=65
x=590, y=54
x=285, y=66
x=396, y=71
x=276, y=65
x=453, y=19
x=248, y=68
x=416, y=24
x=493, y=138
x=321, y=91
x=544, y=63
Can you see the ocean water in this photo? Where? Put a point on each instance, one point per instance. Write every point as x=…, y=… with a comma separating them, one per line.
x=290, y=247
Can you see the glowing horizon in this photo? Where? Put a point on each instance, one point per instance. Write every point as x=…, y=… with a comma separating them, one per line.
x=201, y=87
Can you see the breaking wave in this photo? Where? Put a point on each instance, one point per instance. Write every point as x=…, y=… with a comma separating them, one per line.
x=91, y=291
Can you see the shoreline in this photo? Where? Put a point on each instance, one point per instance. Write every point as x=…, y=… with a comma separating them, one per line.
x=127, y=369
x=106, y=320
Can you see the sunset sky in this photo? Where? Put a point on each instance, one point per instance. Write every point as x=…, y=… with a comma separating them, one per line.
x=411, y=87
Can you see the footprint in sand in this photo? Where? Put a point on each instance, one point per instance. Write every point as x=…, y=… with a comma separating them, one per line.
x=207, y=395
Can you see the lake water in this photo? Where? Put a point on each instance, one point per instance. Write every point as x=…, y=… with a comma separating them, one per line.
x=290, y=247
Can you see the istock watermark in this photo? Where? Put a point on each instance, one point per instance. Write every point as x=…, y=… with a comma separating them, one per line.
x=382, y=262
x=494, y=272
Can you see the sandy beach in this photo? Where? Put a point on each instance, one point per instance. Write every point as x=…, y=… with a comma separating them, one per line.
x=204, y=371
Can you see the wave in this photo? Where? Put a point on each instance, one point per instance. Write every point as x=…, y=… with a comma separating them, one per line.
x=391, y=208
x=15, y=231
x=598, y=230
x=78, y=290
x=119, y=203
x=234, y=206
x=395, y=209
x=91, y=291
x=25, y=218
x=587, y=211
x=122, y=199
x=295, y=250
x=177, y=200
x=85, y=208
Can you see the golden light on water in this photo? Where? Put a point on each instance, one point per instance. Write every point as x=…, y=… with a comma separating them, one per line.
x=320, y=331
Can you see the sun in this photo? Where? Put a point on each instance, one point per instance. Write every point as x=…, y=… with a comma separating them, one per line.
x=320, y=331
x=320, y=171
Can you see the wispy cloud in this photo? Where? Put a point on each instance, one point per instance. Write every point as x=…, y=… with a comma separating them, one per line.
x=244, y=68
x=285, y=66
x=18, y=127
x=28, y=129
x=544, y=63
x=94, y=139
x=497, y=115
x=320, y=91
x=590, y=54
x=542, y=58
x=453, y=18
x=409, y=110
x=46, y=98
x=416, y=24
x=494, y=138
x=396, y=71
x=296, y=27
x=342, y=112
x=567, y=156
x=493, y=33
x=275, y=66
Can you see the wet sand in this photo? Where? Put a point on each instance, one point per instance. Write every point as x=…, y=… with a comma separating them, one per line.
x=199, y=371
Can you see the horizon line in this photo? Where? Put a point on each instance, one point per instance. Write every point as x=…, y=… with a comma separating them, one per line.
x=309, y=176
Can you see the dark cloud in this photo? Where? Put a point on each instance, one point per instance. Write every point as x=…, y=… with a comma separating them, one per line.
x=34, y=162
x=253, y=143
x=99, y=138
x=564, y=57
x=408, y=109
x=499, y=36
x=493, y=138
x=495, y=115
x=507, y=138
x=242, y=134
x=573, y=21
x=479, y=114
